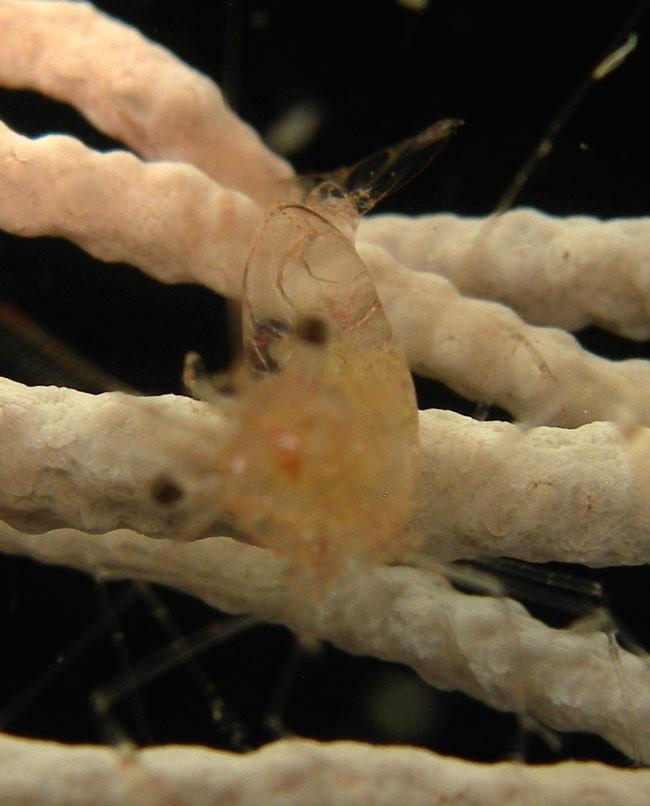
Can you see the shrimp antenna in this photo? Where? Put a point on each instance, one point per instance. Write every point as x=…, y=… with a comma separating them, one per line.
x=39, y=357
x=373, y=178
x=616, y=54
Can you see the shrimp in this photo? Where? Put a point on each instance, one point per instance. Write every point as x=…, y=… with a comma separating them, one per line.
x=322, y=464
x=323, y=453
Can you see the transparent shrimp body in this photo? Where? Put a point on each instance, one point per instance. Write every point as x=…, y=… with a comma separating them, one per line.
x=324, y=454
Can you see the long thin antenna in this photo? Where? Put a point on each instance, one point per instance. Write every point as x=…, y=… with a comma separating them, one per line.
x=232, y=52
x=621, y=46
x=41, y=358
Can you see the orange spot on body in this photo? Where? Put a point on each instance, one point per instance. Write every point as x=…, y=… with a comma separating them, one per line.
x=287, y=451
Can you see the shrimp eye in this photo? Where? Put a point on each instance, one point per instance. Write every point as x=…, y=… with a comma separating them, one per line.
x=312, y=330
x=165, y=491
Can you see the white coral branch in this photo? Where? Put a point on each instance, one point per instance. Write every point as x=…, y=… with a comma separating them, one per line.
x=166, y=218
x=490, y=648
x=566, y=272
x=134, y=90
x=298, y=771
x=175, y=224
x=487, y=488
x=487, y=353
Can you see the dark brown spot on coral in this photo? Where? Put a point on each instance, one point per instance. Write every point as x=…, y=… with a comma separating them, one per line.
x=165, y=491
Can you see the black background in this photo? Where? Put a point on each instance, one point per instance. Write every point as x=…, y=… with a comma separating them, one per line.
x=379, y=73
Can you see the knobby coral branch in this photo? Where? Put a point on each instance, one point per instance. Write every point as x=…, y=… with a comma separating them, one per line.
x=487, y=353
x=133, y=90
x=566, y=272
x=487, y=488
x=295, y=771
x=490, y=648
x=175, y=224
x=118, y=208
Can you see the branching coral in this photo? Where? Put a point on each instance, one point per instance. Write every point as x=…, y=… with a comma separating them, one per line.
x=185, y=206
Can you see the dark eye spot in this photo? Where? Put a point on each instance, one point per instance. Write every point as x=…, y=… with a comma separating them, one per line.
x=165, y=491
x=312, y=330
